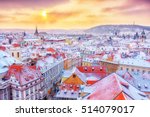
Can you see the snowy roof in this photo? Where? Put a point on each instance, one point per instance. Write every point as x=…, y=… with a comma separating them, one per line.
x=111, y=86
x=96, y=71
x=68, y=73
x=92, y=78
x=3, y=67
x=67, y=94
x=23, y=74
x=135, y=62
x=5, y=61
x=45, y=63
x=139, y=80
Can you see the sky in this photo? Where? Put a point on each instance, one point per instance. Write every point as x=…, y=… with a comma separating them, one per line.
x=72, y=14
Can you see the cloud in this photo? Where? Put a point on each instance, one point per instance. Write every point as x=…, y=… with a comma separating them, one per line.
x=71, y=13
x=94, y=1
x=59, y=14
x=15, y=4
x=3, y=18
x=130, y=6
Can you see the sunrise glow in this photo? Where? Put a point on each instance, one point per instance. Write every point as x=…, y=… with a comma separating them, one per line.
x=72, y=14
x=44, y=13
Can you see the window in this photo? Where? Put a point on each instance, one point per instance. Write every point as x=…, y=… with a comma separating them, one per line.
x=92, y=68
x=132, y=70
x=18, y=54
x=35, y=87
x=5, y=96
x=12, y=54
x=127, y=69
x=41, y=84
x=17, y=93
x=85, y=68
x=31, y=89
x=74, y=76
x=27, y=92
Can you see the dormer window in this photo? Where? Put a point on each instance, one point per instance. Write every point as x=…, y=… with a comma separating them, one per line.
x=74, y=76
x=85, y=68
x=92, y=68
x=146, y=86
x=72, y=92
x=65, y=92
x=139, y=86
x=101, y=69
x=70, y=86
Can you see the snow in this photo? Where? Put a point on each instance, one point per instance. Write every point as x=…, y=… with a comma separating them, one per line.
x=135, y=62
x=109, y=87
x=5, y=61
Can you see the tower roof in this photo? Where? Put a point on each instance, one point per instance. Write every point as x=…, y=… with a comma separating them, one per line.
x=36, y=31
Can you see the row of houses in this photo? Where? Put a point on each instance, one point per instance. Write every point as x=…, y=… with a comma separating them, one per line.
x=21, y=81
x=25, y=82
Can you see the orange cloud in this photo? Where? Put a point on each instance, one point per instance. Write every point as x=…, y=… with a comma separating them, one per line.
x=76, y=14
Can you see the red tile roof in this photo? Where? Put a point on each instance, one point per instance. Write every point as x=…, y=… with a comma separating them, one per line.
x=51, y=50
x=69, y=87
x=2, y=48
x=23, y=74
x=93, y=69
x=121, y=96
x=16, y=45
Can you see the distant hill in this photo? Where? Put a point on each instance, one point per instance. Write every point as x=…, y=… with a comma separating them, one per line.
x=97, y=29
x=117, y=28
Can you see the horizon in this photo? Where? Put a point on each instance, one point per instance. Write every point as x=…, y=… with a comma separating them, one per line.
x=72, y=14
x=72, y=28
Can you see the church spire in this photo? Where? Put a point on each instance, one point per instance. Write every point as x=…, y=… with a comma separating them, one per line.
x=36, y=31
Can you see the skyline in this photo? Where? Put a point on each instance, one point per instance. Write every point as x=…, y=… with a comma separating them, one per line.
x=72, y=14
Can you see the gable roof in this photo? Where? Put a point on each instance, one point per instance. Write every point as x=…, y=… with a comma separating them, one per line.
x=23, y=74
x=69, y=73
x=114, y=87
x=74, y=80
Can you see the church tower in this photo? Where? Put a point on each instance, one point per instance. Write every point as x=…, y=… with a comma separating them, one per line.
x=36, y=31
